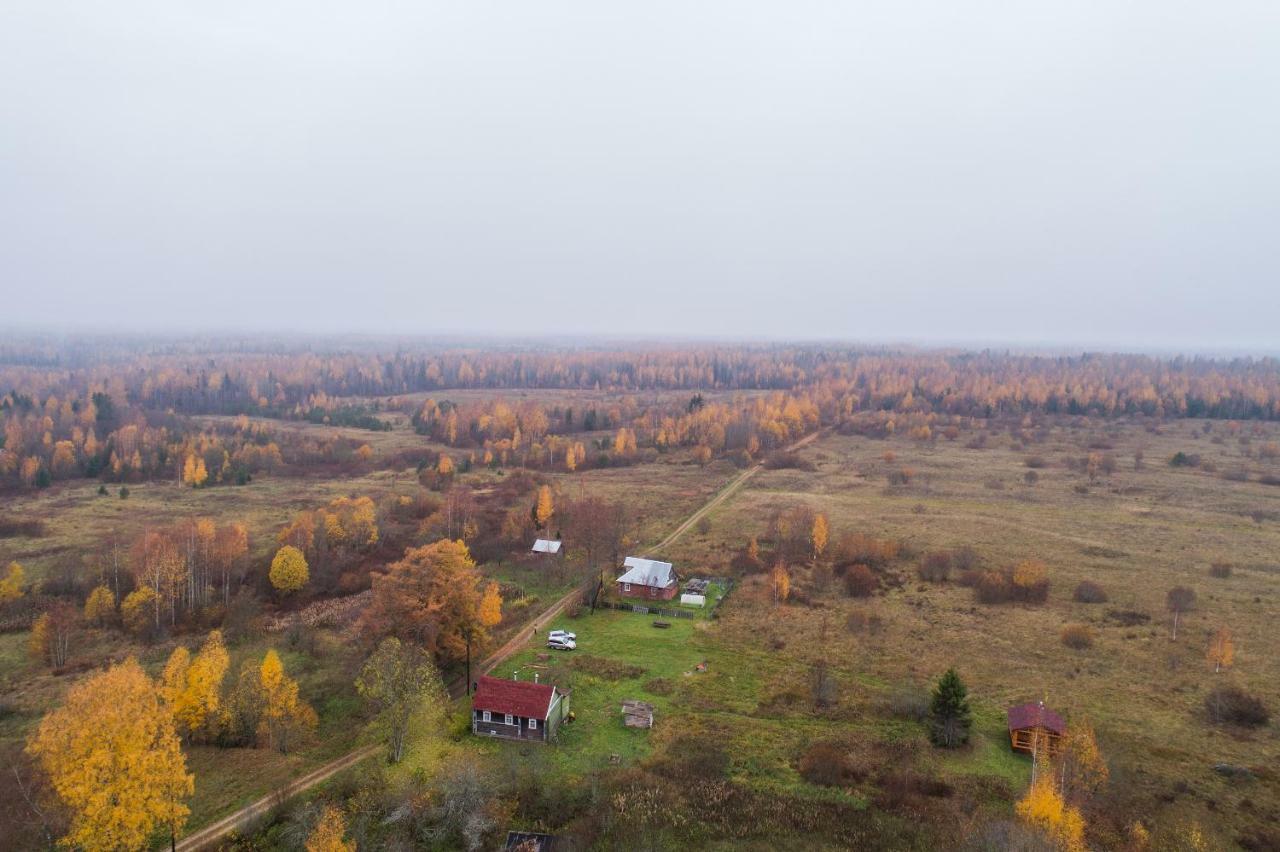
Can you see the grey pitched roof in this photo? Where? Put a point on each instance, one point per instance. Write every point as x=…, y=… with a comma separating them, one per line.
x=546, y=545
x=646, y=572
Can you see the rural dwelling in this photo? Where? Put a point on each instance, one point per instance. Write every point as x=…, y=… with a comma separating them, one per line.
x=647, y=578
x=517, y=709
x=1028, y=720
x=547, y=546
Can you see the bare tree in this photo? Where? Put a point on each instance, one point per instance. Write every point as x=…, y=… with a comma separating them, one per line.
x=1179, y=600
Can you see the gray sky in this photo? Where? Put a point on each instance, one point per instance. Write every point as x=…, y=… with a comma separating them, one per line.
x=1104, y=173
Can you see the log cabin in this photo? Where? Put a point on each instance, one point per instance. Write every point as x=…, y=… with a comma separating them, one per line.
x=1027, y=721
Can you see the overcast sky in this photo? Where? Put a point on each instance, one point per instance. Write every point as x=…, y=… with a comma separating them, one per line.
x=1100, y=173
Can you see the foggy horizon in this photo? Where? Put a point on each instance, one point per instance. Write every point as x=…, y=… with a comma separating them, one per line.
x=1055, y=176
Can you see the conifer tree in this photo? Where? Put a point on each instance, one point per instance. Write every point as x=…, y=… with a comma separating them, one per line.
x=949, y=711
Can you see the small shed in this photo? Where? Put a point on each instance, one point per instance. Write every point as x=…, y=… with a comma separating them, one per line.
x=547, y=546
x=1033, y=720
x=637, y=714
x=697, y=586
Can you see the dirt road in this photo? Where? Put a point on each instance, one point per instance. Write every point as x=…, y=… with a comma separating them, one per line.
x=212, y=833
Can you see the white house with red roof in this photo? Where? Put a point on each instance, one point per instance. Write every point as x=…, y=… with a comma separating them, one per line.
x=517, y=709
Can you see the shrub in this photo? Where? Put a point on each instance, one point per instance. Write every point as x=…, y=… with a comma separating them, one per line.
x=1031, y=477
x=860, y=621
x=992, y=587
x=1233, y=705
x=935, y=567
x=828, y=764
x=1221, y=570
x=965, y=558
x=783, y=461
x=910, y=703
x=1030, y=581
x=1181, y=459
x=1035, y=462
x=1077, y=636
x=860, y=582
x=1090, y=592
x=970, y=578
x=901, y=476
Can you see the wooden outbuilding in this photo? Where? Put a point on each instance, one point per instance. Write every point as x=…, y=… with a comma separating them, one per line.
x=1033, y=720
x=547, y=547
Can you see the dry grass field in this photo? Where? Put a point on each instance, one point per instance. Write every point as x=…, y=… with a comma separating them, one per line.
x=1135, y=532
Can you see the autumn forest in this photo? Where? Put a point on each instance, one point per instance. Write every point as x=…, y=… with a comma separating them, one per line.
x=248, y=586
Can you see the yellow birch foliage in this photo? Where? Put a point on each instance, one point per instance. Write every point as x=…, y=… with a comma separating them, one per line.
x=113, y=758
x=11, y=585
x=1044, y=808
x=819, y=536
x=191, y=687
x=100, y=606
x=288, y=570
x=328, y=833
x=1222, y=651
x=135, y=612
x=542, y=512
x=489, y=612
x=781, y=583
x=285, y=717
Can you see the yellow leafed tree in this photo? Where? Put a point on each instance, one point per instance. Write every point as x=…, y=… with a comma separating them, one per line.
x=285, y=716
x=819, y=536
x=489, y=613
x=1222, y=651
x=11, y=585
x=781, y=583
x=288, y=570
x=543, y=510
x=1044, y=808
x=100, y=606
x=114, y=760
x=191, y=687
x=444, y=467
x=328, y=833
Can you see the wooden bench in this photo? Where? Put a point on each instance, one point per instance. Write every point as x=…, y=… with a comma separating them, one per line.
x=663, y=624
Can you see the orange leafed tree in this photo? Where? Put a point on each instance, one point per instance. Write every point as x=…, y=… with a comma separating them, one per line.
x=431, y=597
x=1222, y=650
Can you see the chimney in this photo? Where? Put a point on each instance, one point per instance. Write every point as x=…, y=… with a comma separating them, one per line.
x=535, y=677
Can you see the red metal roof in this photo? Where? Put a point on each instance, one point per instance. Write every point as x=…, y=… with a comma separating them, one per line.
x=517, y=697
x=1034, y=713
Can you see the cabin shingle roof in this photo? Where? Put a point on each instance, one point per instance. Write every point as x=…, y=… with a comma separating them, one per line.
x=1034, y=713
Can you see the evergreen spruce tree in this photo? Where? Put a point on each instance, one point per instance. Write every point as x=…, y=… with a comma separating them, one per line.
x=949, y=711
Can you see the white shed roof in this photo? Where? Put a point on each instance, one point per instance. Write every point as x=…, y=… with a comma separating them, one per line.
x=646, y=572
x=546, y=545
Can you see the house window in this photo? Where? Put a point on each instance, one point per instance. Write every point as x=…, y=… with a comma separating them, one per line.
x=509, y=720
x=626, y=587
x=533, y=724
x=487, y=716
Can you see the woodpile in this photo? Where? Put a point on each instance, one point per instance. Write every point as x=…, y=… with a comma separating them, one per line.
x=637, y=714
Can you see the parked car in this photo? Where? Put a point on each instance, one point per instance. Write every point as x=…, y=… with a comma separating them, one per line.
x=562, y=634
x=561, y=644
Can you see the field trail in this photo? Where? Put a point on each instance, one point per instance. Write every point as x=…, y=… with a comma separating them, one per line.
x=209, y=835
